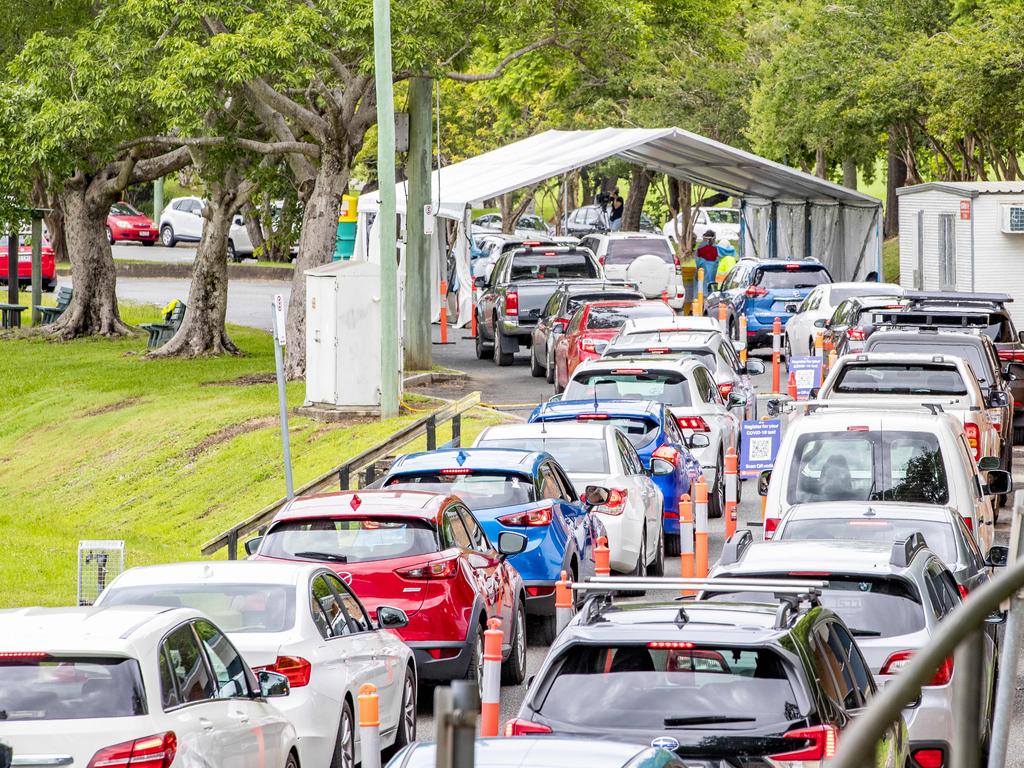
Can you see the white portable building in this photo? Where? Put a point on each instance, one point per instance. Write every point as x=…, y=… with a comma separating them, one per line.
x=964, y=236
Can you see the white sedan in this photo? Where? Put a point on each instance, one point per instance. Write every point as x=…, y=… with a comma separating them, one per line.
x=151, y=687
x=304, y=622
x=820, y=304
x=600, y=454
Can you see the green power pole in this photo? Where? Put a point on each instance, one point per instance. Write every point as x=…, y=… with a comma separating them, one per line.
x=390, y=363
x=417, y=244
x=158, y=200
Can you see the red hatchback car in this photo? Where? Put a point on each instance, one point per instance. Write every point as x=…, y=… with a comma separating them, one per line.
x=48, y=262
x=422, y=552
x=592, y=327
x=127, y=223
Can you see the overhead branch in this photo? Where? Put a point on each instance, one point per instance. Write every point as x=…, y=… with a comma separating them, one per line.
x=465, y=77
x=259, y=147
x=161, y=165
x=307, y=118
x=299, y=164
x=118, y=181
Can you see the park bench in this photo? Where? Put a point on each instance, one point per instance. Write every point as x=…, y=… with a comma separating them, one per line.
x=48, y=314
x=161, y=333
x=10, y=315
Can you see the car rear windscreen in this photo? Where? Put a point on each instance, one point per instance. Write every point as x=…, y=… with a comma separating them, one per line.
x=672, y=353
x=609, y=318
x=863, y=465
x=574, y=454
x=937, y=533
x=233, y=607
x=538, y=266
x=70, y=688
x=480, y=490
x=350, y=540
x=804, y=276
x=900, y=379
x=627, y=251
x=935, y=344
x=703, y=687
x=666, y=387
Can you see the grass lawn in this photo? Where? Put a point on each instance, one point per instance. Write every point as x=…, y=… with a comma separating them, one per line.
x=891, y=260
x=100, y=443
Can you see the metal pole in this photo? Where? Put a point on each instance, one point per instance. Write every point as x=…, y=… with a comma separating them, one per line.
x=37, y=267
x=158, y=200
x=967, y=702
x=389, y=358
x=12, y=268
x=466, y=701
x=417, y=243
x=560, y=227
x=277, y=314
x=443, y=707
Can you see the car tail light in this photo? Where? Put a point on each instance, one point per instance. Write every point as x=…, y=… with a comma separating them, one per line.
x=855, y=334
x=900, y=659
x=963, y=591
x=437, y=569
x=1016, y=355
x=973, y=438
x=519, y=727
x=667, y=453
x=998, y=426
x=793, y=267
x=443, y=653
x=5, y=655
x=592, y=417
x=675, y=260
x=859, y=428
x=156, y=751
x=726, y=388
x=931, y=757
x=821, y=743
x=456, y=471
x=295, y=668
x=657, y=350
x=588, y=345
x=770, y=526
x=754, y=291
x=600, y=260
x=969, y=523
x=670, y=645
x=696, y=423
x=531, y=518
x=616, y=503
x=512, y=304
x=629, y=370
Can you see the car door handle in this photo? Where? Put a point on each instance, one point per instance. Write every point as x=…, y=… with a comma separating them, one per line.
x=207, y=725
x=241, y=716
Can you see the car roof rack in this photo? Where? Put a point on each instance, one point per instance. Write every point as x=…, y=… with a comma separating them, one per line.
x=956, y=297
x=905, y=550
x=876, y=404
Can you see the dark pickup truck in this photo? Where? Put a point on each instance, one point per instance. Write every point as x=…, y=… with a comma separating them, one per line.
x=510, y=301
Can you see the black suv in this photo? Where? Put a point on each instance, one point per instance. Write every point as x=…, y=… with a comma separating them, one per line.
x=720, y=683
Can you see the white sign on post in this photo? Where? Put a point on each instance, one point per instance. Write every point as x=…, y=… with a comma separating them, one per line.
x=279, y=318
x=428, y=219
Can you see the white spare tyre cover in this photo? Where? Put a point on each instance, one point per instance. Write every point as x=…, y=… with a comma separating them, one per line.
x=650, y=273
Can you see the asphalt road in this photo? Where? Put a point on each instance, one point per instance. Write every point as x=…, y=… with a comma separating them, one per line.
x=180, y=254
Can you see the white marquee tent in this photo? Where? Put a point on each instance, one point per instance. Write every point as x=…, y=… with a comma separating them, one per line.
x=785, y=213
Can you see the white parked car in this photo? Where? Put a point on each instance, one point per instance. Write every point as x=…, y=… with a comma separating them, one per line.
x=667, y=325
x=600, y=454
x=304, y=622
x=150, y=687
x=819, y=306
x=688, y=388
x=182, y=222
x=724, y=222
x=646, y=260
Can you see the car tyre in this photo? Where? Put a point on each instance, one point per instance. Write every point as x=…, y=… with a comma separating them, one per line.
x=345, y=743
x=501, y=357
x=672, y=544
x=291, y=761
x=482, y=353
x=110, y=236
x=716, y=494
x=536, y=369
x=167, y=238
x=476, y=660
x=513, y=671
x=657, y=567
x=406, y=733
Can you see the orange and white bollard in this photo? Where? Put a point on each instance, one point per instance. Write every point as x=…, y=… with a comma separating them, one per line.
x=698, y=303
x=700, y=534
x=791, y=389
x=602, y=558
x=743, y=339
x=686, y=540
x=490, y=697
x=732, y=484
x=777, y=356
x=819, y=344
x=564, y=606
x=723, y=318
x=369, y=725
x=444, y=311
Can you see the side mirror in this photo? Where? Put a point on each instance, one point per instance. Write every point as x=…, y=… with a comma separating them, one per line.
x=988, y=463
x=252, y=546
x=820, y=323
x=391, y=618
x=272, y=684
x=698, y=440
x=998, y=400
x=713, y=288
x=480, y=282
x=755, y=367
x=511, y=543
x=813, y=394
x=792, y=307
x=999, y=481
x=595, y=496
x=662, y=467
x=1014, y=371
x=736, y=400
x=998, y=556
x=998, y=617
x=762, y=482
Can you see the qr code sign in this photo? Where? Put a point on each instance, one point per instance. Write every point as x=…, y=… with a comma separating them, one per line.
x=804, y=379
x=760, y=449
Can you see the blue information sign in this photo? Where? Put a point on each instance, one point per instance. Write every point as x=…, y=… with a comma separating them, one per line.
x=759, y=444
x=807, y=373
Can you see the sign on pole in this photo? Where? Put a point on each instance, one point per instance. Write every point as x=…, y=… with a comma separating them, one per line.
x=759, y=444
x=428, y=219
x=807, y=373
x=279, y=319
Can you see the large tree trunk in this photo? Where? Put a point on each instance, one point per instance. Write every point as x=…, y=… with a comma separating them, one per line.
x=639, y=182
x=820, y=168
x=849, y=172
x=896, y=177
x=43, y=197
x=508, y=224
x=93, y=309
x=202, y=329
x=253, y=228
x=316, y=247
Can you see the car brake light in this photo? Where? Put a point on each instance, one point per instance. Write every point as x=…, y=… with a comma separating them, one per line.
x=531, y=243
x=793, y=266
x=519, y=727
x=531, y=518
x=155, y=751
x=512, y=304
x=601, y=261
x=963, y=591
x=629, y=370
x=592, y=417
x=456, y=471
x=973, y=438
x=295, y=668
x=933, y=757
x=770, y=526
x=670, y=645
x=657, y=350
x=588, y=345
x=855, y=334
x=667, y=453
x=616, y=503
x=858, y=428
x=755, y=290
x=726, y=388
x=696, y=423
x=900, y=659
x=1012, y=354
x=437, y=569
x=808, y=574
x=969, y=523
x=820, y=743
x=23, y=654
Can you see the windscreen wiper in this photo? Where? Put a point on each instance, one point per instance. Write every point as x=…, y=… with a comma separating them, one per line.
x=682, y=722
x=323, y=556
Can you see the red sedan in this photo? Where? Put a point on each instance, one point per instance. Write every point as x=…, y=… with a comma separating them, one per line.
x=592, y=327
x=424, y=553
x=48, y=263
x=127, y=223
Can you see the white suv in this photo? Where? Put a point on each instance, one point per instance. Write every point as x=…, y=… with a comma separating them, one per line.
x=644, y=259
x=134, y=686
x=182, y=222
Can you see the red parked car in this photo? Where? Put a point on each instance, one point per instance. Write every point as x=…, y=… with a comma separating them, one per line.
x=592, y=327
x=422, y=552
x=48, y=263
x=127, y=223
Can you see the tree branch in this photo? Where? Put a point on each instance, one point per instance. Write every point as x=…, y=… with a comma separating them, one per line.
x=161, y=165
x=259, y=147
x=299, y=164
x=291, y=109
x=495, y=73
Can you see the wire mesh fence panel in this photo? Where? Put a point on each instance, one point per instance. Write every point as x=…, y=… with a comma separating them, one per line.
x=99, y=563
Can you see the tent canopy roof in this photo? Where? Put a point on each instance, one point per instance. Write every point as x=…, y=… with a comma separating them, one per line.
x=674, y=151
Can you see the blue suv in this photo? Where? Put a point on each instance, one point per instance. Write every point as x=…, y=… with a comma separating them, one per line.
x=763, y=289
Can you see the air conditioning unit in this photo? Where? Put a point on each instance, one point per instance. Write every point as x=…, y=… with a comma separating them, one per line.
x=1013, y=219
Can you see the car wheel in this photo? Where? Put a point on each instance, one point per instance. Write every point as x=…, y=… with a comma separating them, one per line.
x=672, y=544
x=657, y=567
x=406, y=715
x=787, y=350
x=501, y=357
x=167, y=236
x=536, y=369
x=482, y=353
x=476, y=661
x=291, y=762
x=513, y=671
x=641, y=561
x=110, y=236
x=716, y=494
x=345, y=743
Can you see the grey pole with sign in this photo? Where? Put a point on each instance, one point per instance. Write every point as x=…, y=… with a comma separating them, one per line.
x=278, y=315
x=37, y=265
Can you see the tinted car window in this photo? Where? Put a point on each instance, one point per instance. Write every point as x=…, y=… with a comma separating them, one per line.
x=787, y=277
x=476, y=534
x=188, y=669
x=479, y=490
x=538, y=266
x=900, y=379
x=666, y=387
x=578, y=300
x=626, y=251
x=936, y=344
x=71, y=687
x=938, y=533
x=574, y=454
x=124, y=209
x=349, y=540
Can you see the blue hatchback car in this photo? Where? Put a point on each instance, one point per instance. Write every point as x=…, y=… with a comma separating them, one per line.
x=526, y=492
x=763, y=289
x=655, y=435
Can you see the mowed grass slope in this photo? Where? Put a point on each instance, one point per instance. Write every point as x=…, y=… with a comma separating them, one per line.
x=97, y=442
